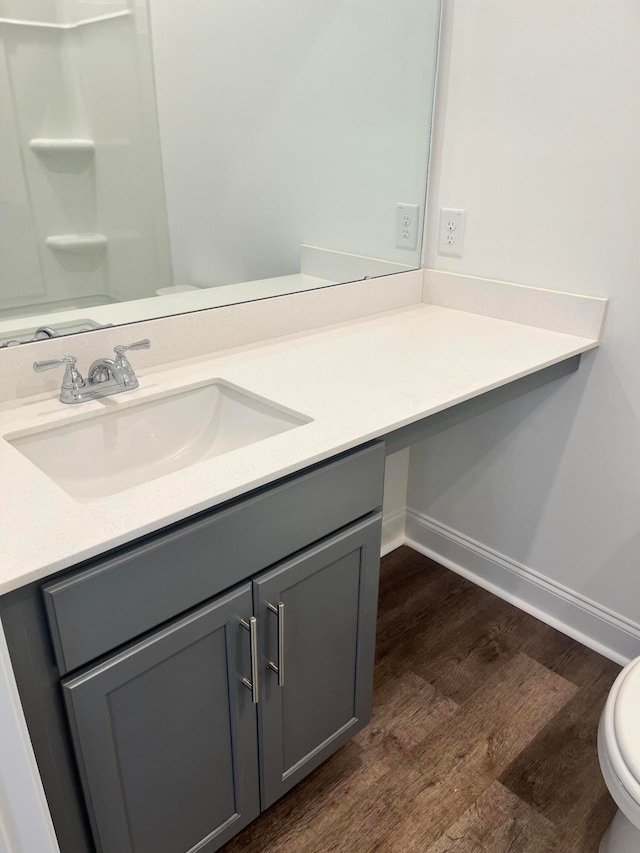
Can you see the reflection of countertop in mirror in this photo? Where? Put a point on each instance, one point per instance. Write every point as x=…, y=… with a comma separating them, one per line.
x=357, y=380
x=119, y=313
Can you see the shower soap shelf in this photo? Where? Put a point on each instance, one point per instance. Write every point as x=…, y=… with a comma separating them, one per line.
x=76, y=242
x=62, y=146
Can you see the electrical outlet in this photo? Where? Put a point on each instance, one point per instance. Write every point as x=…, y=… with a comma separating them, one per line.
x=407, y=222
x=451, y=232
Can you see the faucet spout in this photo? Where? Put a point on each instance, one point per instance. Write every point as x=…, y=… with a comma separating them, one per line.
x=107, y=370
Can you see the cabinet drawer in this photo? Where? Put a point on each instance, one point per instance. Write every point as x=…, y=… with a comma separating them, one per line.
x=118, y=597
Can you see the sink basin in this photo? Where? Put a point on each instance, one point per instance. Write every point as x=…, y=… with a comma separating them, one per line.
x=130, y=445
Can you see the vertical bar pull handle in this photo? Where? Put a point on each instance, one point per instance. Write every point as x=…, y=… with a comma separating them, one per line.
x=252, y=627
x=279, y=667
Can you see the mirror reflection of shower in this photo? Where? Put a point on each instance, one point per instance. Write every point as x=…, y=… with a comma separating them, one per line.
x=83, y=217
x=158, y=156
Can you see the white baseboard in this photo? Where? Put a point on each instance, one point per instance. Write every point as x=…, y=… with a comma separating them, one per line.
x=392, y=531
x=585, y=621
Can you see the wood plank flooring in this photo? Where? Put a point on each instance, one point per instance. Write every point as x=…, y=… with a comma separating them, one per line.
x=483, y=735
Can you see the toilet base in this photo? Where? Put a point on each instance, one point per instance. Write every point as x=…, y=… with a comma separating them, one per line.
x=621, y=836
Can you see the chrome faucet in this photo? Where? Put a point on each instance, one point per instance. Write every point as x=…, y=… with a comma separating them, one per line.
x=45, y=332
x=106, y=376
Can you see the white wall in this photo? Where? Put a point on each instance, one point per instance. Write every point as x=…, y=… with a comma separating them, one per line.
x=396, y=475
x=287, y=123
x=25, y=822
x=538, y=137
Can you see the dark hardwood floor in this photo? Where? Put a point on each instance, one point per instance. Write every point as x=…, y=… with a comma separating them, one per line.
x=483, y=735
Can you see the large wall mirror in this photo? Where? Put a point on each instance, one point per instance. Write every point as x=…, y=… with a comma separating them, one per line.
x=163, y=156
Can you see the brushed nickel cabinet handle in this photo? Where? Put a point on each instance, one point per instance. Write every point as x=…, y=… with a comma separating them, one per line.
x=252, y=627
x=279, y=667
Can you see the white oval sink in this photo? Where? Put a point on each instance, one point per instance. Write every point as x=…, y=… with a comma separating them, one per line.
x=124, y=447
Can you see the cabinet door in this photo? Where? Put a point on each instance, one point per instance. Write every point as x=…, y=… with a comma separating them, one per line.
x=166, y=735
x=325, y=601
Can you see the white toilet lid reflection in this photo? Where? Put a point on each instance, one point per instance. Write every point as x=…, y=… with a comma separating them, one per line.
x=626, y=719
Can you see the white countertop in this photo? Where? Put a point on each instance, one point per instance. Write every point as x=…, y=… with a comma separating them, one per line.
x=357, y=380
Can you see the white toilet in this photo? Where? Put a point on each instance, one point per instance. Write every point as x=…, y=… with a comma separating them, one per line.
x=619, y=754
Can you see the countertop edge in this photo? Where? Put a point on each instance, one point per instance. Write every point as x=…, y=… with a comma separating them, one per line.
x=297, y=464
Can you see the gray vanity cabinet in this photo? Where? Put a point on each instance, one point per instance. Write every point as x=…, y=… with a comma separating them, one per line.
x=165, y=732
x=199, y=673
x=317, y=614
x=165, y=735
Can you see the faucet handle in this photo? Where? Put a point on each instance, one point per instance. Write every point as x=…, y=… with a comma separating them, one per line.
x=67, y=361
x=72, y=380
x=130, y=378
x=145, y=344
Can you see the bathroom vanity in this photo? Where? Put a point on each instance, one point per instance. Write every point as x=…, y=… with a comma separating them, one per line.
x=207, y=668
x=188, y=647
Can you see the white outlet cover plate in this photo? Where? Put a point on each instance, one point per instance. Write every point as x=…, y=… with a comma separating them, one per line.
x=407, y=222
x=451, y=232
